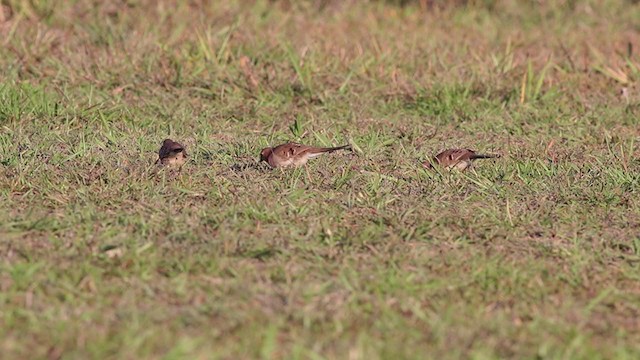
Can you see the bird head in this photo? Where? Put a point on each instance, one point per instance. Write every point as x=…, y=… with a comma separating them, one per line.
x=428, y=164
x=167, y=142
x=264, y=154
x=172, y=146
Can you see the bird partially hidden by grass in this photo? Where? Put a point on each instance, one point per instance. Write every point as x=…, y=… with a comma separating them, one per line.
x=294, y=154
x=461, y=159
x=172, y=154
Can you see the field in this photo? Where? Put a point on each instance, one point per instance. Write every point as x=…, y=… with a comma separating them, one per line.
x=360, y=255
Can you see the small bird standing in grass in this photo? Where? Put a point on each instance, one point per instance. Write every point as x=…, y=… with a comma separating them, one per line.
x=460, y=159
x=293, y=154
x=171, y=154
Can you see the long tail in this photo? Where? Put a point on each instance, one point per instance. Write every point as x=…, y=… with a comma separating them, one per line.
x=332, y=149
x=485, y=156
x=315, y=152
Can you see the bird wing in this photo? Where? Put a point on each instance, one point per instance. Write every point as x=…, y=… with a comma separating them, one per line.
x=452, y=156
x=463, y=154
x=290, y=150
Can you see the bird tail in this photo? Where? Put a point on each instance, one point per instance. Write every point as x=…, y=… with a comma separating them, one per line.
x=332, y=149
x=315, y=152
x=484, y=156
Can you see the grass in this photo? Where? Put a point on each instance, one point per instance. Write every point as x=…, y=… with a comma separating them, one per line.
x=534, y=255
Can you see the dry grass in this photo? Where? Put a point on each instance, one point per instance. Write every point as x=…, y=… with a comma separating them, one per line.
x=532, y=256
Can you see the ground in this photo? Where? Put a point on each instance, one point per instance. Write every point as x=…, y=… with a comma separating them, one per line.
x=533, y=255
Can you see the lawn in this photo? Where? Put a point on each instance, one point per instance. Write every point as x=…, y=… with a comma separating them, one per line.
x=359, y=255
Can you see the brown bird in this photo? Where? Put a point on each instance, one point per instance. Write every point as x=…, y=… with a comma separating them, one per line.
x=460, y=159
x=292, y=154
x=172, y=154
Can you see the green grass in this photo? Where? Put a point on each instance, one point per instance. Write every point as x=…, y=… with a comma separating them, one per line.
x=534, y=255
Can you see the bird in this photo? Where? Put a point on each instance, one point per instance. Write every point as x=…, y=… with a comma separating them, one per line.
x=172, y=154
x=460, y=159
x=294, y=154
